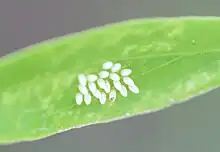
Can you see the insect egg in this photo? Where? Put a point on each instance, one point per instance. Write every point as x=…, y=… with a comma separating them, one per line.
x=124, y=91
x=117, y=85
x=126, y=72
x=112, y=95
x=103, y=74
x=107, y=65
x=97, y=94
x=101, y=83
x=114, y=77
x=92, y=77
x=128, y=81
x=116, y=67
x=92, y=86
x=79, y=98
x=83, y=89
x=87, y=98
x=107, y=86
x=103, y=98
x=134, y=89
x=82, y=79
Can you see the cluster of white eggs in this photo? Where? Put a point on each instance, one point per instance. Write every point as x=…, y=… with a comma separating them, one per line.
x=105, y=84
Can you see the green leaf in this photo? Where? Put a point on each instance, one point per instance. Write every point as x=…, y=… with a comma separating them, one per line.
x=172, y=60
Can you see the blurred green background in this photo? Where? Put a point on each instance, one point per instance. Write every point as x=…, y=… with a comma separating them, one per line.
x=189, y=127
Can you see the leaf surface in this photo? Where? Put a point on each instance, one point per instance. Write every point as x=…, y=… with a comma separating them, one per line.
x=172, y=60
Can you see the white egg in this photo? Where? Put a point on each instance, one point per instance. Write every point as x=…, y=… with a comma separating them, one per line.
x=128, y=81
x=87, y=98
x=103, y=74
x=102, y=100
x=101, y=83
x=79, y=98
x=114, y=77
x=134, y=89
x=117, y=85
x=116, y=67
x=92, y=86
x=107, y=65
x=107, y=86
x=126, y=72
x=112, y=95
x=83, y=89
x=97, y=94
x=82, y=79
x=124, y=91
x=92, y=77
